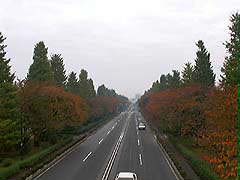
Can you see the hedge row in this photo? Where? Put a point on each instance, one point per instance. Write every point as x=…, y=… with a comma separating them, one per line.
x=203, y=170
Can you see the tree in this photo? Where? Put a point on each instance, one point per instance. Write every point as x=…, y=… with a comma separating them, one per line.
x=155, y=87
x=175, y=80
x=172, y=81
x=40, y=70
x=187, y=74
x=10, y=132
x=59, y=72
x=49, y=108
x=86, y=87
x=203, y=73
x=92, y=92
x=163, y=82
x=72, y=83
x=103, y=91
x=5, y=74
x=231, y=66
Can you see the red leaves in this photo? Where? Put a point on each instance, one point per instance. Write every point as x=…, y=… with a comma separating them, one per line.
x=208, y=115
x=50, y=107
x=221, y=131
x=103, y=105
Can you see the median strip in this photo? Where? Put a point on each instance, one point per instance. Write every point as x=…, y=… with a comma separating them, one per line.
x=114, y=154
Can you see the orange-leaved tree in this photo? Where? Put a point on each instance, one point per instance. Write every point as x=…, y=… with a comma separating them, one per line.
x=47, y=108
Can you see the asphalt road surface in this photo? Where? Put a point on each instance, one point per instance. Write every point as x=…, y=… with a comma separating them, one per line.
x=116, y=147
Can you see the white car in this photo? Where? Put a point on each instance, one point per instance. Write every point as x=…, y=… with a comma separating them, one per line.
x=126, y=176
x=141, y=126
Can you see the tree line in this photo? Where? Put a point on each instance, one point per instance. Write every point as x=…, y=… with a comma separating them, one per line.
x=199, y=73
x=191, y=105
x=37, y=108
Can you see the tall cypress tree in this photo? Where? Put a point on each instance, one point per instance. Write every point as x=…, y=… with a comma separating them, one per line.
x=176, y=80
x=72, y=83
x=59, y=72
x=163, y=82
x=83, y=83
x=9, y=111
x=101, y=91
x=5, y=74
x=92, y=92
x=203, y=72
x=86, y=87
x=231, y=66
x=187, y=74
x=40, y=69
x=104, y=91
x=7, y=88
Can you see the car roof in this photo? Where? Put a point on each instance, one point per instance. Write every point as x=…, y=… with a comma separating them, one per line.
x=126, y=175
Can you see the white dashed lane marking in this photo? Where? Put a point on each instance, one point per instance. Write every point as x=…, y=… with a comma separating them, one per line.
x=87, y=156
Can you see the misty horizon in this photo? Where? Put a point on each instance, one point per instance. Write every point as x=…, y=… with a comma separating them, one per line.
x=124, y=45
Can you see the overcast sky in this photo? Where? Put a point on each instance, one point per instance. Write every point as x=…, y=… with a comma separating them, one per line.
x=124, y=44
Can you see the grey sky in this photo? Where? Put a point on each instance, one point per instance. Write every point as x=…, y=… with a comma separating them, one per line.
x=125, y=44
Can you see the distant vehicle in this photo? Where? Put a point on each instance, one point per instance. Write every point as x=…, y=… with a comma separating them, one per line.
x=141, y=126
x=126, y=176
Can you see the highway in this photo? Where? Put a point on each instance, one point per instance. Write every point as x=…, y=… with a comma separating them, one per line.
x=115, y=147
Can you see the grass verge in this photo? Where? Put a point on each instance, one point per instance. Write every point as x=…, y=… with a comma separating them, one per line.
x=39, y=159
x=28, y=162
x=202, y=168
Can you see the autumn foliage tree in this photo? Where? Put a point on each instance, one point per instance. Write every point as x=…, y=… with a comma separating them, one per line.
x=48, y=108
x=220, y=134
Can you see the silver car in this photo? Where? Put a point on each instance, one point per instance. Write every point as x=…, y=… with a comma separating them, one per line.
x=126, y=176
x=141, y=126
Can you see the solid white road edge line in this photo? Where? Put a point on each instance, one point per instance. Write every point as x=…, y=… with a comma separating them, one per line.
x=170, y=162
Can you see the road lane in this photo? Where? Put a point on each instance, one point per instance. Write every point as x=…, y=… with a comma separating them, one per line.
x=88, y=155
x=128, y=156
x=140, y=153
x=116, y=147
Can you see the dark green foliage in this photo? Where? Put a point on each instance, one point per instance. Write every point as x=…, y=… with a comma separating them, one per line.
x=187, y=74
x=9, y=112
x=167, y=81
x=103, y=91
x=59, y=72
x=40, y=70
x=72, y=83
x=5, y=73
x=86, y=87
x=163, y=82
x=174, y=81
x=203, y=73
x=231, y=66
x=29, y=162
x=155, y=86
x=92, y=92
x=199, y=166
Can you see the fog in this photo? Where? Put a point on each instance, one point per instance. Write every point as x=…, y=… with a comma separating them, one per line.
x=124, y=44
